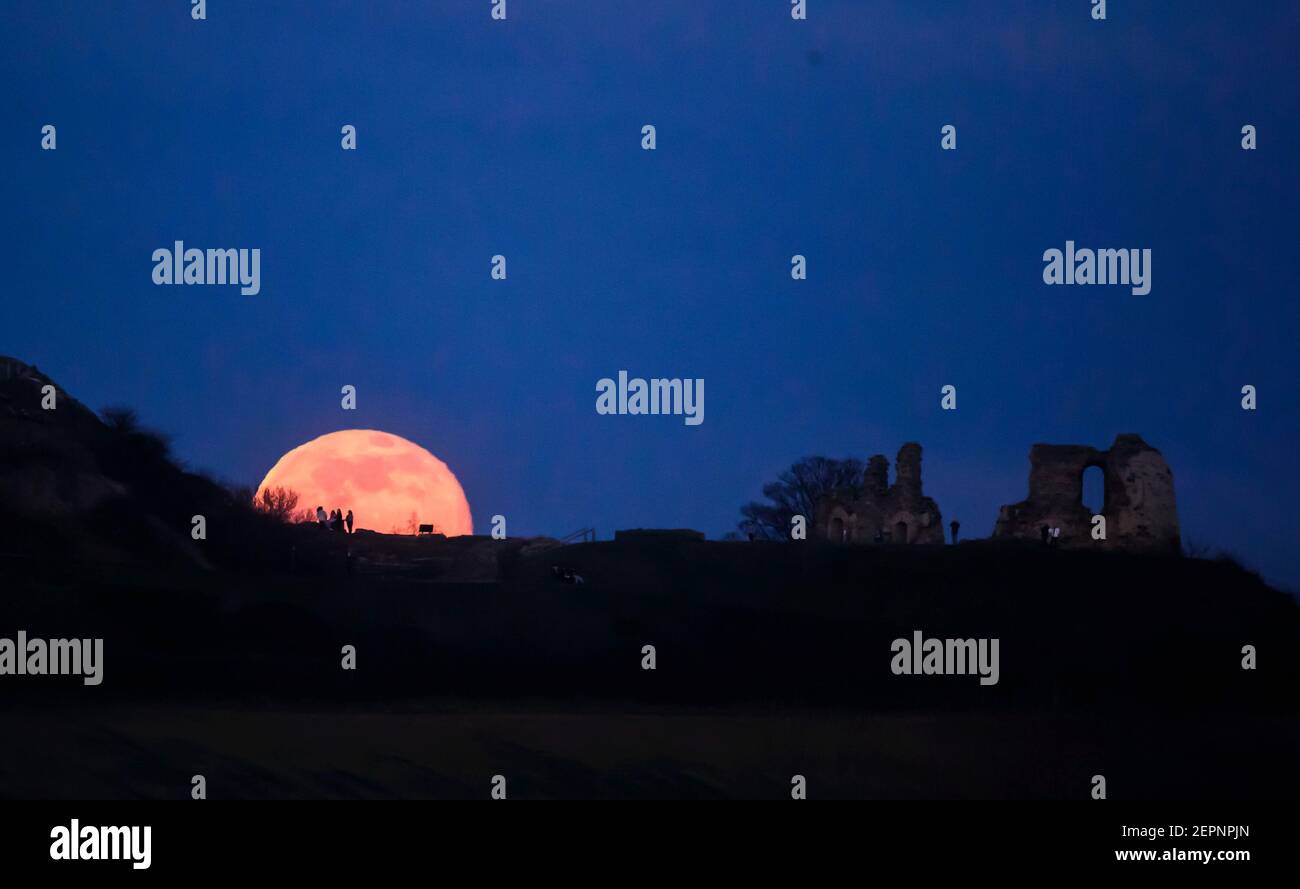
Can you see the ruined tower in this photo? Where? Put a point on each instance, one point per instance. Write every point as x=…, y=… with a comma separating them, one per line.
x=1138, y=506
x=880, y=512
x=877, y=476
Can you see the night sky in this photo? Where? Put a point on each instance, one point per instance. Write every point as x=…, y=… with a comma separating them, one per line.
x=775, y=137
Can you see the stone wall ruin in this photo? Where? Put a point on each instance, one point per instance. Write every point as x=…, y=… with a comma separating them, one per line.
x=879, y=512
x=1138, y=503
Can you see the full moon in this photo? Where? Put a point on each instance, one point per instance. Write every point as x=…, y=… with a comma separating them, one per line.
x=391, y=485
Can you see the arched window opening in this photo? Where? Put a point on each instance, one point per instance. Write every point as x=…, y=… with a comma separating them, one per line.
x=1094, y=490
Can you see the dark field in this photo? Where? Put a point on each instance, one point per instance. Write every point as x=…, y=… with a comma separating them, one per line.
x=773, y=659
x=562, y=750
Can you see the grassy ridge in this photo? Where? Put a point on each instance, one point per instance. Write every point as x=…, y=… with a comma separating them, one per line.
x=786, y=624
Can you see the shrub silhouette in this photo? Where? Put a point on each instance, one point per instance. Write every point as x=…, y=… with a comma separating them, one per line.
x=280, y=504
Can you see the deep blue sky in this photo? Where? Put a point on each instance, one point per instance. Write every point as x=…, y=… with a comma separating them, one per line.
x=775, y=137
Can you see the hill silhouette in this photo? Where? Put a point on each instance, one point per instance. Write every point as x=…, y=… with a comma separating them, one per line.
x=252, y=621
x=78, y=485
x=90, y=499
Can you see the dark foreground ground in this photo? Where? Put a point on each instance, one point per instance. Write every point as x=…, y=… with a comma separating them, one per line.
x=560, y=751
x=773, y=660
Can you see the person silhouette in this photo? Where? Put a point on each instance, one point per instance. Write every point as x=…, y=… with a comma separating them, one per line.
x=955, y=526
x=320, y=517
x=348, y=521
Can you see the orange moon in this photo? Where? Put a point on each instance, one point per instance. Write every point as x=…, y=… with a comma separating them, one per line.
x=389, y=483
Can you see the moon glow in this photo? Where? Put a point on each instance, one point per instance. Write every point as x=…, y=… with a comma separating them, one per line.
x=389, y=483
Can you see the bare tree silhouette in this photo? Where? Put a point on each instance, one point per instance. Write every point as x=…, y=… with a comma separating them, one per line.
x=797, y=491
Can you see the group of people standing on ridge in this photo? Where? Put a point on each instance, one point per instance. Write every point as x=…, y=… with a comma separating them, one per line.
x=335, y=521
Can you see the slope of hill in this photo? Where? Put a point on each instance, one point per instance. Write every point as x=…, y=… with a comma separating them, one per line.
x=74, y=485
x=1101, y=653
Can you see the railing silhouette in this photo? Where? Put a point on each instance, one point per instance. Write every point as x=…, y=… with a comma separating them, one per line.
x=585, y=535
